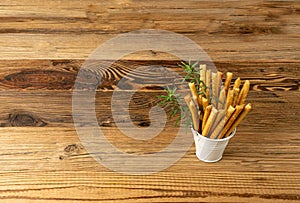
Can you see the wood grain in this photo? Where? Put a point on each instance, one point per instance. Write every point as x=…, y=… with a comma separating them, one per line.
x=53, y=163
x=209, y=17
x=43, y=45
x=61, y=74
x=73, y=29
x=258, y=154
x=279, y=47
x=274, y=86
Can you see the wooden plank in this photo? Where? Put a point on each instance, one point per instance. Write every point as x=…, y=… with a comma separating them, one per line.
x=272, y=111
x=55, y=186
x=207, y=17
x=59, y=149
x=52, y=165
x=61, y=74
x=281, y=47
x=225, y=30
x=274, y=87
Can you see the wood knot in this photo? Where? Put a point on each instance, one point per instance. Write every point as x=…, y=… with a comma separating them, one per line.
x=87, y=79
x=61, y=62
x=39, y=79
x=144, y=124
x=153, y=87
x=73, y=148
x=21, y=119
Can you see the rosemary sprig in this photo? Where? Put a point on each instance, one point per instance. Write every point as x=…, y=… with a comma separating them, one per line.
x=193, y=75
x=171, y=100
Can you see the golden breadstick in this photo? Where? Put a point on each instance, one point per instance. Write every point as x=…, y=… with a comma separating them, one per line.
x=204, y=103
x=209, y=121
x=207, y=94
x=206, y=115
x=219, y=79
x=194, y=93
x=208, y=78
x=214, y=80
x=195, y=116
x=193, y=89
x=237, y=83
x=201, y=107
x=203, y=70
x=244, y=92
x=227, y=81
x=203, y=75
x=222, y=99
x=236, y=113
x=229, y=98
x=236, y=92
x=239, y=119
x=229, y=112
x=187, y=99
x=220, y=116
x=195, y=99
x=218, y=129
x=200, y=100
x=199, y=114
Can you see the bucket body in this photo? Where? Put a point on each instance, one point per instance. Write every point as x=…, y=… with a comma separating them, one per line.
x=210, y=150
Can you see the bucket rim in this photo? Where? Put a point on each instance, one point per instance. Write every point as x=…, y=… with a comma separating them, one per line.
x=214, y=140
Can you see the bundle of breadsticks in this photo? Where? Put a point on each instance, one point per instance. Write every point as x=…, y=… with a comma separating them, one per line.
x=217, y=109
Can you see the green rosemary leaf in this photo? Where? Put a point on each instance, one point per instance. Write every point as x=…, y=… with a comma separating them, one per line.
x=172, y=99
x=177, y=121
x=162, y=97
x=174, y=112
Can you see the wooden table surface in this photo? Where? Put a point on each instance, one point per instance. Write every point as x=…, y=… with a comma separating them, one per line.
x=42, y=47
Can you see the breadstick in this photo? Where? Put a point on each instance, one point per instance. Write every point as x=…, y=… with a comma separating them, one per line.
x=218, y=129
x=227, y=81
x=219, y=80
x=208, y=79
x=222, y=99
x=187, y=99
x=229, y=112
x=195, y=116
x=229, y=98
x=244, y=92
x=195, y=99
x=208, y=85
x=237, y=83
x=220, y=116
x=214, y=80
x=204, y=103
x=236, y=113
x=193, y=89
x=209, y=121
x=207, y=94
x=239, y=119
x=206, y=115
x=236, y=92
x=200, y=100
x=194, y=93
x=203, y=75
x=200, y=117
